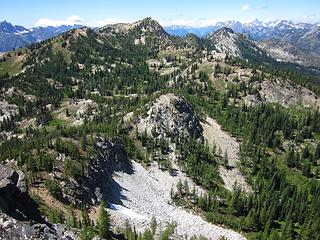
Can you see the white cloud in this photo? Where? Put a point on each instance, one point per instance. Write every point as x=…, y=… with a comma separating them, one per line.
x=245, y=7
x=188, y=22
x=75, y=19
x=103, y=22
x=72, y=20
x=313, y=18
x=260, y=7
x=248, y=7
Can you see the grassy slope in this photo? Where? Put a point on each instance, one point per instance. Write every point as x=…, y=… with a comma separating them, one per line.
x=12, y=65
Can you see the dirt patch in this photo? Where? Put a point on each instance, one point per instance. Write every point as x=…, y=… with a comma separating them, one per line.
x=50, y=202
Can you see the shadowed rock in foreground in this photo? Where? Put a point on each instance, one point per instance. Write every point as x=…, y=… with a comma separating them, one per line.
x=19, y=216
x=14, y=198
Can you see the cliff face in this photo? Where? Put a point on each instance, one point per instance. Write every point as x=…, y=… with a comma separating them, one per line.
x=97, y=185
x=19, y=216
x=170, y=115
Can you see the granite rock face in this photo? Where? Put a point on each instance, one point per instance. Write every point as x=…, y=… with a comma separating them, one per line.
x=282, y=92
x=170, y=115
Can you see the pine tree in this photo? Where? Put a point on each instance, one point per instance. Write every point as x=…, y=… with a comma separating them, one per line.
x=287, y=230
x=147, y=235
x=186, y=187
x=72, y=221
x=317, y=152
x=103, y=220
x=153, y=225
x=179, y=187
x=225, y=159
x=85, y=217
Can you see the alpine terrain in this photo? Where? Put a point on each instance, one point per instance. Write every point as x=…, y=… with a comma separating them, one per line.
x=132, y=131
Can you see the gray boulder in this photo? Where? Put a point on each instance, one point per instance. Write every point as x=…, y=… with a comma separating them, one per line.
x=14, y=198
x=13, y=229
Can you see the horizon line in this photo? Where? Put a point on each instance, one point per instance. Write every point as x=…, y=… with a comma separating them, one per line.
x=214, y=23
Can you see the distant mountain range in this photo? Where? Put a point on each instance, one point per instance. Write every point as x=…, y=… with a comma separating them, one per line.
x=256, y=30
x=283, y=40
x=14, y=36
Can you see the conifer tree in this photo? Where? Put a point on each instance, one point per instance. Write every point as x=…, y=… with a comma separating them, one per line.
x=103, y=220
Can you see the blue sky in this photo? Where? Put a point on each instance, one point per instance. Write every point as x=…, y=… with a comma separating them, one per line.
x=168, y=12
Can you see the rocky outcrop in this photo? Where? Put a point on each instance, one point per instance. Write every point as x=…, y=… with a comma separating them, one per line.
x=170, y=115
x=8, y=177
x=225, y=40
x=284, y=93
x=96, y=186
x=13, y=229
x=7, y=110
x=14, y=198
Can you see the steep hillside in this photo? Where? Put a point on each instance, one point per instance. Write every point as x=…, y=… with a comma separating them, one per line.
x=225, y=40
x=235, y=45
x=284, y=51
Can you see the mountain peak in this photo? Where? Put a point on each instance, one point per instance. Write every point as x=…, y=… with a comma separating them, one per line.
x=147, y=24
x=149, y=20
x=7, y=27
x=225, y=40
x=256, y=22
x=225, y=31
x=150, y=23
x=143, y=32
